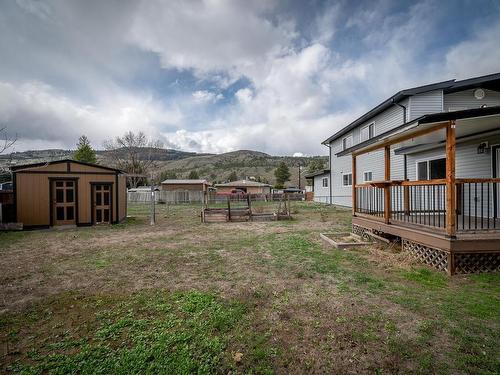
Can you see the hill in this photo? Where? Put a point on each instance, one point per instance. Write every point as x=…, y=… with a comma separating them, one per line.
x=213, y=167
x=246, y=164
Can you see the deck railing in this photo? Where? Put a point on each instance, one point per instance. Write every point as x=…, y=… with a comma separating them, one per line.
x=477, y=204
x=423, y=203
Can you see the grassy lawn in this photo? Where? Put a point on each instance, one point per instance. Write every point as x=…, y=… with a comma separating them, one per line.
x=258, y=298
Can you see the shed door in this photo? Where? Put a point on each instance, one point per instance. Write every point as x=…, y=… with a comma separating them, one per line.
x=102, y=203
x=63, y=202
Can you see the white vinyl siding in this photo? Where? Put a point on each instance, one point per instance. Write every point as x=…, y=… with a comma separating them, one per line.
x=466, y=100
x=322, y=192
x=423, y=104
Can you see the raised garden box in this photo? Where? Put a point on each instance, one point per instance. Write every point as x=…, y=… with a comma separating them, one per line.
x=343, y=240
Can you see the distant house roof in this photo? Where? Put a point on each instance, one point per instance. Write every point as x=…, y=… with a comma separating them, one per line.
x=242, y=183
x=41, y=164
x=491, y=81
x=317, y=173
x=184, y=182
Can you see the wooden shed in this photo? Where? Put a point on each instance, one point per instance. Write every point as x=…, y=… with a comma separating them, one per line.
x=68, y=192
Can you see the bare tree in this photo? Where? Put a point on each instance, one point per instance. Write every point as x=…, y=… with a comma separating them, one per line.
x=134, y=153
x=6, y=142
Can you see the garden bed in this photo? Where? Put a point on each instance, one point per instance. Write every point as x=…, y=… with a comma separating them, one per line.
x=343, y=240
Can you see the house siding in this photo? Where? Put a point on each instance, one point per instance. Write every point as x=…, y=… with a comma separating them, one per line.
x=321, y=194
x=466, y=100
x=469, y=164
x=373, y=162
x=422, y=104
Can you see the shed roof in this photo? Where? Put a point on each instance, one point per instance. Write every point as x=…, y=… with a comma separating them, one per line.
x=243, y=183
x=184, y=182
x=15, y=168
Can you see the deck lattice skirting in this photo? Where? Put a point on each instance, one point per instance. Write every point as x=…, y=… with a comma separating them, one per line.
x=360, y=231
x=427, y=255
x=472, y=263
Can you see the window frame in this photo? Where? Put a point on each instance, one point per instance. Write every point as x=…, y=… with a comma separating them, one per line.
x=347, y=174
x=427, y=161
x=344, y=145
x=323, y=180
x=370, y=136
x=364, y=176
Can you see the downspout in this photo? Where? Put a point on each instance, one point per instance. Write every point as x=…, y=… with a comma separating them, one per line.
x=405, y=168
x=330, y=167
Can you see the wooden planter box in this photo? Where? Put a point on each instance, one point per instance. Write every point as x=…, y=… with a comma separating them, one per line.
x=343, y=240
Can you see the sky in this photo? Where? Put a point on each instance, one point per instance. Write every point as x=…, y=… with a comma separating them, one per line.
x=217, y=76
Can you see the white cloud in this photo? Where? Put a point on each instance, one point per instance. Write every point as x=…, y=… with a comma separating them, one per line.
x=480, y=54
x=38, y=112
x=67, y=70
x=205, y=96
x=210, y=36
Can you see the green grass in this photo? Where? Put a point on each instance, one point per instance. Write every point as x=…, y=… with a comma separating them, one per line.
x=148, y=333
x=271, y=291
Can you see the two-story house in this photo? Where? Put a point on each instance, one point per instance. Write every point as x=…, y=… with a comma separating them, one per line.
x=426, y=159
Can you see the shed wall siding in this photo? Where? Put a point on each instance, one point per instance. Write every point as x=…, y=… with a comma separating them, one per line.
x=33, y=192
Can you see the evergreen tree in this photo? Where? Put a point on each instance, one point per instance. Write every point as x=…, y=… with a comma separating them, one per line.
x=233, y=176
x=84, y=151
x=316, y=164
x=193, y=175
x=168, y=175
x=282, y=174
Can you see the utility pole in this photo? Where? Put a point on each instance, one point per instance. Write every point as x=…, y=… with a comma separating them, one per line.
x=153, y=218
x=299, y=175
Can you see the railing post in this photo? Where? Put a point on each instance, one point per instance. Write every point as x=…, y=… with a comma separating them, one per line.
x=450, y=180
x=387, y=188
x=354, y=197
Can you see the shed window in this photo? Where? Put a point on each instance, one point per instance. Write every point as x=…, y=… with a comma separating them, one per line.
x=60, y=213
x=325, y=182
x=69, y=195
x=431, y=169
x=70, y=213
x=60, y=195
x=367, y=176
x=347, y=179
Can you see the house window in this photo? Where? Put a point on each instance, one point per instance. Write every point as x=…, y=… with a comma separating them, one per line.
x=346, y=142
x=367, y=176
x=347, y=179
x=325, y=182
x=431, y=169
x=367, y=132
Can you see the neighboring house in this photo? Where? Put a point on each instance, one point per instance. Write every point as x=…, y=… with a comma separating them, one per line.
x=185, y=185
x=68, y=192
x=320, y=185
x=249, y=187
x=424, y=166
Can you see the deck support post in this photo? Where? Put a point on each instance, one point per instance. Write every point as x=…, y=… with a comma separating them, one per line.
x=354, y=192
x=387, y=188
x=450, y=180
